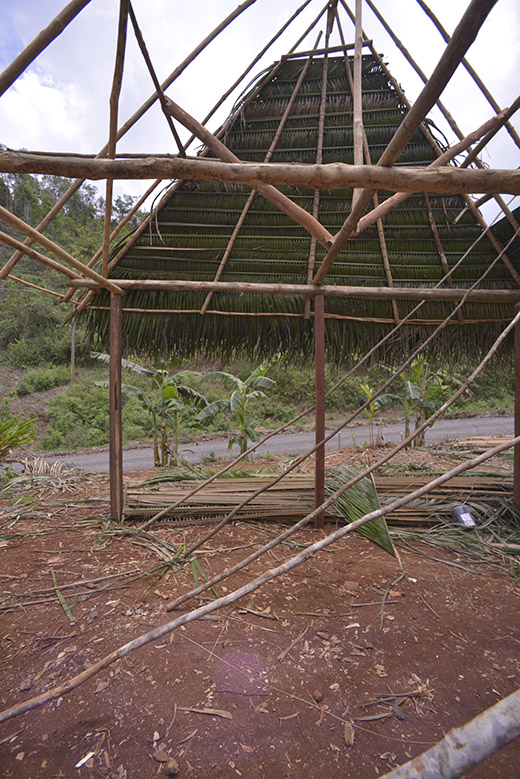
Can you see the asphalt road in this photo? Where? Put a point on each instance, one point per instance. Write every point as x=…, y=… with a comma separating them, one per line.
x=141, y=458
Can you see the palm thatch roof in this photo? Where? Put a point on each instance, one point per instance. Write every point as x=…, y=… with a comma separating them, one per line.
x=190, y=235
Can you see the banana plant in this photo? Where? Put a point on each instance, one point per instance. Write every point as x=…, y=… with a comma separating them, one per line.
x=238, y=402
x=422, y=391
x=169, y=402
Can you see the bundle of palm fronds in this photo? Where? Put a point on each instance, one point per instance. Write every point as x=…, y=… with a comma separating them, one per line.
x=356, y=502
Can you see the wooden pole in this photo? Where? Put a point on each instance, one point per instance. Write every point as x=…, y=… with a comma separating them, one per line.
x=13, y=221
x=463, y=37
x=319, y=364
x=116, y=437
x=357, y=97
x=274, y=196
x=114, y=106
x=370, y=293
x=270, y=152
x=478, y=81
x=131, y=121
x=516, y=460
x=445, y=180
x=151, y=70
x=73, y=351
x=42, y=40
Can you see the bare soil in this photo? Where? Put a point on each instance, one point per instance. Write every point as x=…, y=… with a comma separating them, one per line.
x=310, y=676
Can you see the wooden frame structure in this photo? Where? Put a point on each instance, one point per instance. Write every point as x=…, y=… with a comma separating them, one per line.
x=218, y=163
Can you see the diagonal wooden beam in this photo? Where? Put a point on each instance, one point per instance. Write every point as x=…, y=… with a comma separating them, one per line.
x=133, y=119
x=42, y=40
x=478, y=81
x=270, y=193
x=464, y=35
x=18, y=224
x=251, y=197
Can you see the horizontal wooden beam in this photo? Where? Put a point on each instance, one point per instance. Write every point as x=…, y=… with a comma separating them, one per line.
x=335, y=175
x=377, y=293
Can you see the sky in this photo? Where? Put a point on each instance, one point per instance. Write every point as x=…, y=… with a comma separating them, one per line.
x=61, y=102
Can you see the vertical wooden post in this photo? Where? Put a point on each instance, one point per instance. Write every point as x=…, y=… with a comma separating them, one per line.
x=73, y=351
x=319, y=366
x=116, y=437
x=516, y=457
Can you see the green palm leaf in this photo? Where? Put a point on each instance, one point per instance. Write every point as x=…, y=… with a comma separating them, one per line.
x=358, y=500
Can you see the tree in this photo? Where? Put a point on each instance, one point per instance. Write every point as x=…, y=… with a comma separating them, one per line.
x=237, y=403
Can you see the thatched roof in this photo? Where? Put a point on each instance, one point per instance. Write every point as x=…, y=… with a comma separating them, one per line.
x=188, y=237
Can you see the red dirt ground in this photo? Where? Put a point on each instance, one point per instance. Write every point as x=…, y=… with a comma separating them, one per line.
x=305, y=677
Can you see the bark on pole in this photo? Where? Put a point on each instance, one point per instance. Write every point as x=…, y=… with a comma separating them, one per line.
x=319, y=363
x=116, y=438
x=516, y=455
x=465, y=747
x=42, y=40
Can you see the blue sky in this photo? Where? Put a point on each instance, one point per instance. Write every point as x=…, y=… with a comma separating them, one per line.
x=61, y=102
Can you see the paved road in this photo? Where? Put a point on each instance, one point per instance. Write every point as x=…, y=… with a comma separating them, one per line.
x=140, y=459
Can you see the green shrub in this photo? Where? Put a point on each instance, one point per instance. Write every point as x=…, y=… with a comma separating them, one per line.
x=43, y=378
x=79, y=418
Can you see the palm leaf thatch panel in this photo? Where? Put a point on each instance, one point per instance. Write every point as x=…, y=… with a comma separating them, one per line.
x=187, y=239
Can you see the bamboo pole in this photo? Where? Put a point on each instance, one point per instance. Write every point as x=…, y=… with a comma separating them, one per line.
x=335, y=175
x=42, y=40
x=116, y=439
x=319, y=372
x=13, y=221
x=466, y=746
x=114, y=105
x=478, y=81
x=286, y=205
x=131, y=121
x=375, y=293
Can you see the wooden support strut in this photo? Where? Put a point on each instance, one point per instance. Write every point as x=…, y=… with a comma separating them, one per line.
x=17, y=223
x=446, y=180
x=129, y=124
x=339, y=291
x=116, y=438
x=319, y=366
x=286, y=205
x=42, y=40
x=516, y=450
